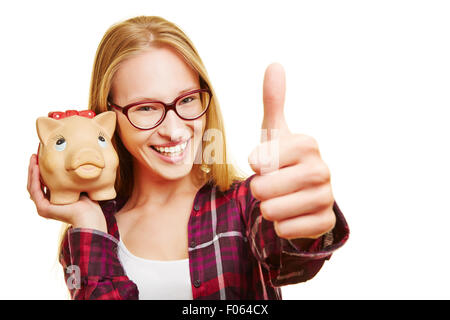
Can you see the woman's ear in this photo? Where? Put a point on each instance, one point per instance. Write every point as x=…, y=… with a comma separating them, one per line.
x=107, y=120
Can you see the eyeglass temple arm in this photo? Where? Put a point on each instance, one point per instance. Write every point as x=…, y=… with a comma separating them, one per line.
x=114, y=105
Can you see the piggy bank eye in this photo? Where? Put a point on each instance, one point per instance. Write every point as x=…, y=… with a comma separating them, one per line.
x=102, y=141
x=60, y=144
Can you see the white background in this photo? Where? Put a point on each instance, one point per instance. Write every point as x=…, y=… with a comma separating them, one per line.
x=368, y=79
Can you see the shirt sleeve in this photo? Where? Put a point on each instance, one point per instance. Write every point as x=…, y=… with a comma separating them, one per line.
x=92, y=269
x=286, y=262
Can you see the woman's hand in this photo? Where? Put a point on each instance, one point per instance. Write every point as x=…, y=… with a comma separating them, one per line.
x=84, y=213
x=292, y=181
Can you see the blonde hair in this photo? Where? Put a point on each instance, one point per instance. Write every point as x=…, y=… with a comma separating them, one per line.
x=129, y=38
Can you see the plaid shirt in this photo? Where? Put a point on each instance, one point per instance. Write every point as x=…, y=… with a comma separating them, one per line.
x=233, y=252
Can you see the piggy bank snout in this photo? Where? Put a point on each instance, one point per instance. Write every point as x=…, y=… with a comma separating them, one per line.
x=86, y=163
x=87, y=156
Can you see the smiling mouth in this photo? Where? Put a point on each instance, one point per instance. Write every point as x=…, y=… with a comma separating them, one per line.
x=173, y=151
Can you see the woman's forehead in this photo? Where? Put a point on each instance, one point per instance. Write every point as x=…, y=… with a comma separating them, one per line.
x=158, y=73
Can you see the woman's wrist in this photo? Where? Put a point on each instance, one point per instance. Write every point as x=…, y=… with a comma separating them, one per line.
x=96, y=224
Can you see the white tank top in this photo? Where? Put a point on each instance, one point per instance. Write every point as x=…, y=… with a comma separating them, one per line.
x=155, y=279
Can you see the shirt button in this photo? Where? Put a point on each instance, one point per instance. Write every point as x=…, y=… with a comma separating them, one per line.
x=197, y=283
x=192, y=244
x=196, y=207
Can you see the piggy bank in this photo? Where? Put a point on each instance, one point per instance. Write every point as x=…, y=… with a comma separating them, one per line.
x=76, y=155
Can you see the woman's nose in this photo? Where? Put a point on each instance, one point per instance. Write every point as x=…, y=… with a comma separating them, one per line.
x=173, y=127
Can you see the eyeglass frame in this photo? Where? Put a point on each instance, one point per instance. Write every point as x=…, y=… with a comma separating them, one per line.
x=167, y=107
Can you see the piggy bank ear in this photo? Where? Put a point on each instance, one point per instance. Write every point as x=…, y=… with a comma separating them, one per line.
x=45, y=126
x=107, y=120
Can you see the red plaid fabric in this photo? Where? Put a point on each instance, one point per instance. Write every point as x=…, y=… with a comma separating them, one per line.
x=233, y=252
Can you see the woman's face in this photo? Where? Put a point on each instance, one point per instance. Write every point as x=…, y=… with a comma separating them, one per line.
x=158, y=74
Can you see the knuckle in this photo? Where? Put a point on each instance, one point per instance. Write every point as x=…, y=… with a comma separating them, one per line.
x=323, y=172
x=318, y=174
x=255, y=188
x=281, y=230
x=299, y=141
x=307, y=143
x=265, y=210
x=327, y=223
x=326, y=197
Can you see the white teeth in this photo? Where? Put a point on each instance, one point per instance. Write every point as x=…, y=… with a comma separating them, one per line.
x=172, y=150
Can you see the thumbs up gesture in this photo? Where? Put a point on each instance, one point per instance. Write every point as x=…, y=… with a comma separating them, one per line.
x=292, y=181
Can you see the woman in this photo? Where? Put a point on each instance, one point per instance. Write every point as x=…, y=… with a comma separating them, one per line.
x=186, y=224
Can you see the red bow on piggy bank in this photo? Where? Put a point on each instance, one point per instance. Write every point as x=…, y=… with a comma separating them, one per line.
x=60, y=115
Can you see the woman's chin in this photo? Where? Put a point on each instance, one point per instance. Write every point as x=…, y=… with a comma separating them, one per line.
x=175, y=172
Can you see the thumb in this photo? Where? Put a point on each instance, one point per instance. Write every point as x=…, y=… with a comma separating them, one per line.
x=274, y=90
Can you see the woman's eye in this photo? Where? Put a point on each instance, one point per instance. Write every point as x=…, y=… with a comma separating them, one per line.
x=145, y=108
x=60, y=144
x=102, y=141
x=187, y=100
